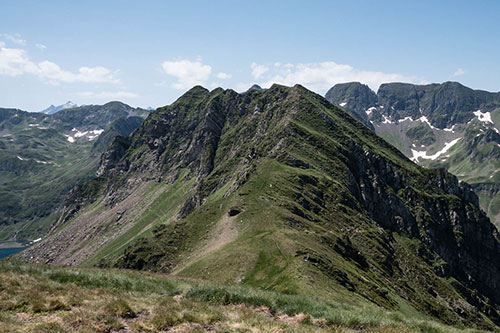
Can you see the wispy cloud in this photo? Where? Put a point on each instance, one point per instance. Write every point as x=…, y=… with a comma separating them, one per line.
x=16, y=38
x=258, y=70
x=107, y=94
x=458, y=72
x=188, y=73
x=320, y=76
x=41, y=46
x=14, y=62
x=223, y=76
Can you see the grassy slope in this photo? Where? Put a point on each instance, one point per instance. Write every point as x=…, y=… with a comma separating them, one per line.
x=297, y=225
x=162, y=210
x=50, y=299
x=272, y=244
x=33, y=186
x=32, y=195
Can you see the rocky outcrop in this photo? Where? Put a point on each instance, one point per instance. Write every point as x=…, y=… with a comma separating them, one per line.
x=113, y=155
x=443, y=104
x=355, y=97
x=449, y=221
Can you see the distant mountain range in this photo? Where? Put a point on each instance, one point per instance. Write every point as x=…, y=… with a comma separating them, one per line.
x=53, y=109
x=437, y=125
x=43, y=156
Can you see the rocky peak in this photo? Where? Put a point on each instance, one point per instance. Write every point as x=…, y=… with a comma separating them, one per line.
x=444, y=105
x=399, y=100
x=255, y=87
x=355, y=97
x=53, y=109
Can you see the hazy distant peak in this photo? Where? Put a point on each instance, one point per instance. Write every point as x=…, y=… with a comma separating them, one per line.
x=53, y=109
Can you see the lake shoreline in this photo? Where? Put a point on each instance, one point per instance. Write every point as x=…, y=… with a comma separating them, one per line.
x=12, y=244
x=5, y=252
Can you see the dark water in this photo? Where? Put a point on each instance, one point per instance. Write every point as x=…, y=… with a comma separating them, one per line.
x=9, y=251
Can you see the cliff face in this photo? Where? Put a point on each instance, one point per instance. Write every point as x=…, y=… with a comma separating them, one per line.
x=280, y=189
x=443, y=104
x=355, y=97
x=440, y=212
x=437, y=125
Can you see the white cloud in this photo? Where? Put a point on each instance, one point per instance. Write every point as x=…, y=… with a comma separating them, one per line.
x=2, y=44
x=16, y=38
x=321, y=76
x=107, y=94
x=52, y=71
x=458, y=72
x=223, y=76
x=41, y=46
x=258, y=70
x=188, y=73
x=14, y=62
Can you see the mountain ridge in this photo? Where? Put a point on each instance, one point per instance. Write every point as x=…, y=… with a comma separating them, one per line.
x=53, y=109
x=268, y=185
x=437, y=125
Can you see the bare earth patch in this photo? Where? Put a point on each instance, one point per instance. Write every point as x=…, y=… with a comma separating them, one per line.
x=225, y=232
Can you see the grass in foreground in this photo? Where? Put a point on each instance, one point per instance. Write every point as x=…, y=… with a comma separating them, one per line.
x=49, y=299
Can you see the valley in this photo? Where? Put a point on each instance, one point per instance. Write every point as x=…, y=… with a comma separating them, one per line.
x=42, y=157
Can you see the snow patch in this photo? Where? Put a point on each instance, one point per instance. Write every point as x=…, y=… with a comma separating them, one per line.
x=370, y=110
x=494, y=172
x=423, y=154
x=22, y=159
x=425, y=120
x=485, y=117
x=80, y=134
x=386, y=120
x=90, y=135
x=452, y=129
x=343, y=104
x=38, y=126
x=405, y=119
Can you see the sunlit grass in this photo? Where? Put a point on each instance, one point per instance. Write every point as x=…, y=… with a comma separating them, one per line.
x=51, y=299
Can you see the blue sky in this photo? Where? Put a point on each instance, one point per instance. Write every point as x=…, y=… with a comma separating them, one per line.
x=147, y=53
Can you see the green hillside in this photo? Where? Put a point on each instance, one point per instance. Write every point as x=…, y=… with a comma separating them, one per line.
x=42, y=157
x=91, y=300
x=280, y=190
